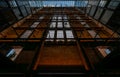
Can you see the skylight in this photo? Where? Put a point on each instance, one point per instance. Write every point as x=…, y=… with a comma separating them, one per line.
x=56, y=3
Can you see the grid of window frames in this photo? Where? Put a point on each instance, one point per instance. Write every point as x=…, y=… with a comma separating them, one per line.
x=103, y=10
x=59, y=29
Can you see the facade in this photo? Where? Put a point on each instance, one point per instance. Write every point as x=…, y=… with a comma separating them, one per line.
x=54, y=38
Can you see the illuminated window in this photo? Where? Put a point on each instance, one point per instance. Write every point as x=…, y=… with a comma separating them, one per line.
x=51, y=34
x=34, y=25
x=69, y=34
x=26, y=34
x=66, y=24
x=60, y=34
x=59, y=25
x=53, y=25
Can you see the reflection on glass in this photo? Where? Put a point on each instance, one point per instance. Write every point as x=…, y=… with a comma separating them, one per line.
x=113, y=4
x=60, y=34
x=102, y=3
x=69, y=34
x=51, y=34
x=92, y=10
x=53, y=25
x=105, y=18
x=99, y=11
x=66, y=24
x=59, y=25
x=34, y=25
x=59, y=18
x=23, y=10
x=104, y=50
x=26, y=34
x=65, y=17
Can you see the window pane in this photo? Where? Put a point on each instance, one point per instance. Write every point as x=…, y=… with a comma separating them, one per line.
x=93, y=33
x=59, y=25
x=54, y=17
x=26, y=34
x=34, y=25
x=53, y=25
x=69, y=34
x=17, y=13
x=98, y=13
x=102, y=3
x=113, y=4
x=60, y=34
x=88, y=8
x=23, y=10
x=105, y=18
x=41, y=17
x=92, y=10
x=66, y=24
x=59, y=18
x=65, y=17
x=51, y=34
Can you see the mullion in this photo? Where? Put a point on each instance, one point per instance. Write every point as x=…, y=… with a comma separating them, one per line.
x=64, y=31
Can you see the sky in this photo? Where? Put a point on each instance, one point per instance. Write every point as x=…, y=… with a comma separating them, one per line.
x=58, y=3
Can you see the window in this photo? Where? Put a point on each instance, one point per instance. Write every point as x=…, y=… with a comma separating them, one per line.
x=59, y=18
x=59, y=25
x=23, y=11
x=69, y=34
x=34, y=25
x=26, y=34
x=60, y=34
x=66, y=24
x=98, y=13
x=53, y=25
x=105, y=18
x=102, y=3
x=62, y=30
x=92, y=10
x=113, y=4
x=51, y=34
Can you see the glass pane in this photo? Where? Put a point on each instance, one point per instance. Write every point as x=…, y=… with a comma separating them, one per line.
x=92, y=10
x=59, y=25
x=26, y=34
x=88, y=9
x=17, y=13
x=105, y=18
x=65, y=17
x=98, y=13
x=59, y=18
x=41, y=17
x=23, y=10
x=34, y=25
x=113, y=4
x=3, y=4
x=93, y=33
x=51, y=34
x=54, y=17
x=60, y=34
x=69, y=34
x=13, y=3
x=66, y=24
x=102, y=3
x=58, y=3
x=28, y=9
x=53, y=25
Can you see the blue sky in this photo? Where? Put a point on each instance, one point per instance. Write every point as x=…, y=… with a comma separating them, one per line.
x=58, y=3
